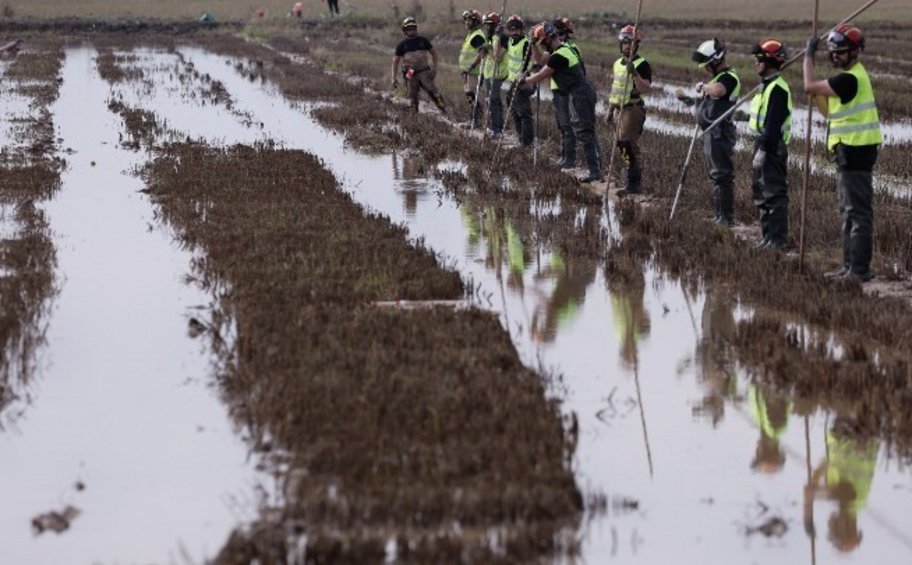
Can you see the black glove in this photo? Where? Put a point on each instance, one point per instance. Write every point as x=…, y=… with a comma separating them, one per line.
x=811, y=47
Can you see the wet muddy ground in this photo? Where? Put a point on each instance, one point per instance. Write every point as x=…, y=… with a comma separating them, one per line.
x=708, y=409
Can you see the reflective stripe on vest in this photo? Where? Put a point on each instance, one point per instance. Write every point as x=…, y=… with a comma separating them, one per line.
x=573, y=61
x=491, y=68
x=467, y=52
x=857, y=122
x=515, y=57
x=619, y=95
x=760, y=104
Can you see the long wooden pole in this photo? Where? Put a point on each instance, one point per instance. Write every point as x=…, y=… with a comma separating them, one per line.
x=617, y=125
x=805, y=187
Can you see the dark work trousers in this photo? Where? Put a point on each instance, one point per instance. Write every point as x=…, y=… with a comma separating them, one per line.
x=583, y=102
x=561, y=102
x=333, y=6
x=855, y=192
x=770, y=192
x=521, y=113
x=718, y=147
x=495, y=104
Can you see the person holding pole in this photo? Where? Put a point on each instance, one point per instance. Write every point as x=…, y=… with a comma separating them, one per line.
x=565, y=69
x=494, y=71
x=771, y=123
x=470, y=55
x=853, y=136
x=718, y=96
x=632, y=79
x=519, y=100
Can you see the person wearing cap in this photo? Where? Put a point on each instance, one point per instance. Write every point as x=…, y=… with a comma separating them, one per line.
x=563, y=66
x=771, y=124
x=718, y=95
x=412, y=52
x=519, y=99
x=632, y=79
x=470, y=57
x=853, y=137
x=494, y=71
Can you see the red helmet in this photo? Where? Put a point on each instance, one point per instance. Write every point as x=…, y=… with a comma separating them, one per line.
x=491, y=18
x=630, y=33
x=471, y=16
x=845, y=37
x=771, y=51
x=515, y=22
x=563, y=25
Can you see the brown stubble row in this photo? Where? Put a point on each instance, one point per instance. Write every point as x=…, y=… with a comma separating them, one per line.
x=29, y=174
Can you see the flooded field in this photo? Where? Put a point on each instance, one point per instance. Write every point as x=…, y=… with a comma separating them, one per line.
x=188, y=382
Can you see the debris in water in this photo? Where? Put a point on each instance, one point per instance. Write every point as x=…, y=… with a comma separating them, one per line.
x=55, y=521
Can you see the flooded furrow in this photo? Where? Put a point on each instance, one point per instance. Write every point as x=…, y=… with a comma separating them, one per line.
x=699, y=461
x=123, y=436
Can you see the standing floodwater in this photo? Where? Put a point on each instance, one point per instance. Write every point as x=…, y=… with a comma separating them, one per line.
x=122, y=424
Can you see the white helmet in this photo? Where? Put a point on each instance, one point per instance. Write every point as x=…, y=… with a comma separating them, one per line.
x=710, y=51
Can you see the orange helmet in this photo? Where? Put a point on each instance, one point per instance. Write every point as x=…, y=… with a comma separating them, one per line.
x=542, y=31
x=771, y=51
x=845, y=37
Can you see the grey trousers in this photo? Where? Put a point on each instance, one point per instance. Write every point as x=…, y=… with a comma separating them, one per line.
x=718, y=147
x=855, y=192
x=770, y=194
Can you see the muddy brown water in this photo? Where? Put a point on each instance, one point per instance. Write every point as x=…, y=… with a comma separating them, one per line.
x=672, y=430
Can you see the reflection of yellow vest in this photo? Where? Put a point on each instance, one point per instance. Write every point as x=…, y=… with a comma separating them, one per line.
x=622, y=312
x=467, y=52
x=855, y=123
x=760, y=105
x=759, y=412
x=619, y=94
x=853, y=462
x=515, y=250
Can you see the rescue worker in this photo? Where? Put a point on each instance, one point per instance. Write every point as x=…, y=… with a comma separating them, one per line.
x=413, y=53
x=719, y=94
x=519, y=99
x=847, y=101
x=771, y=122
x=564, y=67
x=632, y=78
x=561, y=99
x=494, y=71
x=470, y=55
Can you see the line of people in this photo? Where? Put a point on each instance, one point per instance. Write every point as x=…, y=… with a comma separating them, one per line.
x=494, y=52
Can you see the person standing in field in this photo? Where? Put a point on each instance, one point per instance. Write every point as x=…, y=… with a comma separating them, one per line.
x=564, y=67
x=719, y=94
x=519, y=99
x=771, y=123
x=494, y=71
x=632, y=78
x=561, y=99
x=412, y=52
x=470, y=56
x=853, y=137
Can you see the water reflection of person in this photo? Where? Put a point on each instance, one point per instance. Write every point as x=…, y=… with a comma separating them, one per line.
x=409, y=173
x=631, y=321
x=573, y=277
x=770, y=411
x=845, y=477
x=715, y=356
